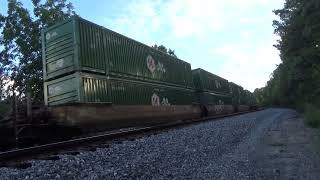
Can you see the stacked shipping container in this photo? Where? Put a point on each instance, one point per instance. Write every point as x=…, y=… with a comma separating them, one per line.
x=236, y=92
x=84, y=62
x=89, y=88
x=248, y=98
x=211, y=89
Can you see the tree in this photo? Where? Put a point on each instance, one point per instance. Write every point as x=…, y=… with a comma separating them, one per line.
x=172, y=53
x=2, y=86
x=297, y=79
x=165, y=50
x=21, y=57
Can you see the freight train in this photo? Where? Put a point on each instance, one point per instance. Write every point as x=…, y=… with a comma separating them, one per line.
x=95, y=79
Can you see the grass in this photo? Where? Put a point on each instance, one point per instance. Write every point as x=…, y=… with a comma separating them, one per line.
x=312, y=115
x=312, y=119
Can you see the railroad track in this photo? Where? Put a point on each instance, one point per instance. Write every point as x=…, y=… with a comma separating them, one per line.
x=19, y=155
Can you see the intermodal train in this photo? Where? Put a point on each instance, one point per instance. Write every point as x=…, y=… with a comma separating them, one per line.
x=95, y=78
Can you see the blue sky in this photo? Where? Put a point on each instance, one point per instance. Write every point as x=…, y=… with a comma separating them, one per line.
x=230, y=38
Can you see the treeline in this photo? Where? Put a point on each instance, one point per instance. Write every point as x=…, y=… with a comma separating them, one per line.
x=296, y=80
x=165, y=50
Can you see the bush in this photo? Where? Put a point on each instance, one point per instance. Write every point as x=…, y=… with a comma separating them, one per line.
x=312, y=115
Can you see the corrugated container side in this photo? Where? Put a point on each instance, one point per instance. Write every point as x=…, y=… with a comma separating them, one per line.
x=248, y=98
x=244, y=98
x=209, y=98
x=135, y=60
x=92, y=50
x=70, y=46
x=236, y=93
x=80, y=45
x=58, y=49
x=62, y=90
x=90, y=88
x=206, y=81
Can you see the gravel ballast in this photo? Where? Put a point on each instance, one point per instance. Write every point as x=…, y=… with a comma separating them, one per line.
x=209, y=150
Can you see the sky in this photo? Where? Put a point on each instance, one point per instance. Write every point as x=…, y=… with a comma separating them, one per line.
x=230, y=38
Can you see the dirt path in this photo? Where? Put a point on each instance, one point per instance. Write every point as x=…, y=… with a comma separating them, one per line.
x=289, y=150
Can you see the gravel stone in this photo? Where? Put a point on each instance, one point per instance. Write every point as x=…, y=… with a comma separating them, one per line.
x=209, y=150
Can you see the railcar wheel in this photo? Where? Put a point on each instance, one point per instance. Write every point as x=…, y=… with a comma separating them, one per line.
x=204, y=111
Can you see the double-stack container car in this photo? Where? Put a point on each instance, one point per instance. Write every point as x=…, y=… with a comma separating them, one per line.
x=98, y=79
x=249, y=100
x=119, y=79
x=238, y=97
x=205, y=81
x=212, y=92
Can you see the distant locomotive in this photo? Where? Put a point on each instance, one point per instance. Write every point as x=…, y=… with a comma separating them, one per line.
x=98, y=79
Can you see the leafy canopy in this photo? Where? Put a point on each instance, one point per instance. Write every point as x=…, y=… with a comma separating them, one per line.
x=20, y=42
x=165, y=50
x=296, y=80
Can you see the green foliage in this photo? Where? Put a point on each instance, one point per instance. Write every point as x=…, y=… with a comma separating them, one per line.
x=248, y=98
x=312, y=115
x=4, y=108
x=21, y=58
x=165, y=50
x=296, y=80
x=2, y=86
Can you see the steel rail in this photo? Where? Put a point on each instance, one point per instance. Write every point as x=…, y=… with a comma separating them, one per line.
x=31, y=152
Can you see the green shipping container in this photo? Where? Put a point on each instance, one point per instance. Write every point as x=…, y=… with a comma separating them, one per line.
x=79, y=45
x=248, y=98
x=208, y=98
x=206, y=81
x=236, y=92
x=90, y=88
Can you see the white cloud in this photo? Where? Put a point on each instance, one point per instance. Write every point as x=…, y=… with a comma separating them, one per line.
x=248, y=20
x=245, y=34
x=185, y=18
x=247, y=55
x=246, y=65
